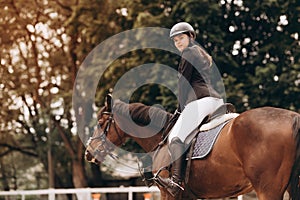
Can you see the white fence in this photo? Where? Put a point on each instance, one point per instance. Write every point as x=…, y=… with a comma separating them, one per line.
x=83, y=193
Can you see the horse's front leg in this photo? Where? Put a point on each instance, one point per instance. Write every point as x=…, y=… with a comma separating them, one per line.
x=165, y=195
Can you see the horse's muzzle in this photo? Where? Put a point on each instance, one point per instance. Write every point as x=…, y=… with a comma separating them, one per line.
x=90, y=158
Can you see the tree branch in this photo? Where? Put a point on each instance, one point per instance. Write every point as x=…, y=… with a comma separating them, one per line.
x=18, y=149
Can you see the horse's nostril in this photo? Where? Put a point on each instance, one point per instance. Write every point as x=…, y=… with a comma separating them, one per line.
x=88, y=156
x=97, y=162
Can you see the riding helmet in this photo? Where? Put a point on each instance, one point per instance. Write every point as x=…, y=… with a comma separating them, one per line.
x=182, y=27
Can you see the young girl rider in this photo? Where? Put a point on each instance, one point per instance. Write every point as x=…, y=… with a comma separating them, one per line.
x=196, y=98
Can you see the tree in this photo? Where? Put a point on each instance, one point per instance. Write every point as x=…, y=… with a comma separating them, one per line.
x=36, y=60
x=265, y=51
x=43, y=44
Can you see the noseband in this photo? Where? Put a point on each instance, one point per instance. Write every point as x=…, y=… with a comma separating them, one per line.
x=104, y=147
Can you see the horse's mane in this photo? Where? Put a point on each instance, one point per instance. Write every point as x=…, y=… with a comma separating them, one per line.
x=142, y=114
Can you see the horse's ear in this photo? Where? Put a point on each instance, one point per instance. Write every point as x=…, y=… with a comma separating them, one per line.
x=109, y=102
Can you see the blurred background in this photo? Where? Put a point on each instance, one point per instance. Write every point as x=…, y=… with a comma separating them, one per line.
x=255, y=45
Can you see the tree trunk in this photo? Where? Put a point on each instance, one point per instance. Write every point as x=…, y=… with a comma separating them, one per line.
x=79, y=178
x=5, y=184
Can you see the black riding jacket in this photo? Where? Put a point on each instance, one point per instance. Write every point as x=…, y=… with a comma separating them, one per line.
x=194, y=76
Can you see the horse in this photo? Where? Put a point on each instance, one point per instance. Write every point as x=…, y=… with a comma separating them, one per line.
x=258, y=150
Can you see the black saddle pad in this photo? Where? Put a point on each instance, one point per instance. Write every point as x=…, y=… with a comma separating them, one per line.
x=205, y=141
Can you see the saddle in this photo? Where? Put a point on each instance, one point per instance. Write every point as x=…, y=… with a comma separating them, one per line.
x=202, y=138
x=223, y=109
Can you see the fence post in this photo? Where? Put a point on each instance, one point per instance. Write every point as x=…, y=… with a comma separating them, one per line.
x=51, y=194
x=130, y=194
x=84, y=194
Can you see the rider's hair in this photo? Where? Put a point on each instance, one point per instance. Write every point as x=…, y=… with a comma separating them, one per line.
x=205, y=55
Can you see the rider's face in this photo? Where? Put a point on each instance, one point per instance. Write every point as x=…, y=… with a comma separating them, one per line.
x=181, y=41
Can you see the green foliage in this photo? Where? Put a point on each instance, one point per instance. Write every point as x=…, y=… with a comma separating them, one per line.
x=255, y=45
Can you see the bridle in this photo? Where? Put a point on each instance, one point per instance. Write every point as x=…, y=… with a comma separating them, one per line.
x=104, y=147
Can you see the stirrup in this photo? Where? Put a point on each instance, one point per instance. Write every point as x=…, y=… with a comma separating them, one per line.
x=173, y=187
x=168, y=183
x=176, y=184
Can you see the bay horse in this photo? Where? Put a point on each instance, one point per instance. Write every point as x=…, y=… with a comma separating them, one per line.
x=258, y=150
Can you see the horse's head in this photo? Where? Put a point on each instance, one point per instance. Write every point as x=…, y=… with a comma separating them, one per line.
x=106, y=136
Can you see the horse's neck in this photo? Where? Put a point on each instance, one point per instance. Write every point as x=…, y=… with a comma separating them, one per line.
x=147, y=137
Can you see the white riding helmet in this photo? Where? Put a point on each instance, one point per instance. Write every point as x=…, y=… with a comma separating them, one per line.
x=182, y=27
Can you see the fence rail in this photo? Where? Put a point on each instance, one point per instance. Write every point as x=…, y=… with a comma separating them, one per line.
x=83, y=193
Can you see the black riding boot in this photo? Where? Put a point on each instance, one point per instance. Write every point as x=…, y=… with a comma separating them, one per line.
x=174, y=184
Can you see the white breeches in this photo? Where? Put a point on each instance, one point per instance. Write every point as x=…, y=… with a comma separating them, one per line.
x=192, y=116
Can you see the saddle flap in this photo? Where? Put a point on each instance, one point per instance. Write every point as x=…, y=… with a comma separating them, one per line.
x=205, y=141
